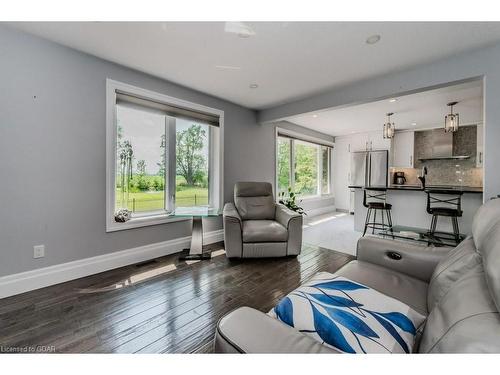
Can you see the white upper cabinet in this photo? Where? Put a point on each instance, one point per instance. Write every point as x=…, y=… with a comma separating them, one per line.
x=376, y=141
x=359, y=142
x=369, y=141
x=480, y=146
x=403, y=149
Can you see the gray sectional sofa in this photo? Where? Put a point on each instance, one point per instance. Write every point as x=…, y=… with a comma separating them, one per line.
x=458, y=292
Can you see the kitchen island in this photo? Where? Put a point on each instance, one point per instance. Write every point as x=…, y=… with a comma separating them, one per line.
x=409, y=206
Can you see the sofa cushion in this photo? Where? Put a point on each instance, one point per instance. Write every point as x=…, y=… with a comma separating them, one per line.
x=407, y=289
x=486, y=232
x=465, y=320
x=349, y=316
x=264, y=231
x=485, y=218
x=453, y=266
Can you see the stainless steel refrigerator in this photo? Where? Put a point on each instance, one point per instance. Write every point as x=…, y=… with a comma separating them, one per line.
x=369, y=168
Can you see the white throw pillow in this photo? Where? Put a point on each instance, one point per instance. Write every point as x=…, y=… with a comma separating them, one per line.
x=349, y=316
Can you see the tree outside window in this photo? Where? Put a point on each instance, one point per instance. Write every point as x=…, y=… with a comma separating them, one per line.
x=303, y=166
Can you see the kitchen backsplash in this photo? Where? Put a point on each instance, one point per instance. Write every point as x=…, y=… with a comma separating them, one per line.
x=446, y=172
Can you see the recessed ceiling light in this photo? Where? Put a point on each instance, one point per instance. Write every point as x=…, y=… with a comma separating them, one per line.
x=253, y=86
x=227, y=67
x=414, y=123
x=373, y=39
x=393, y=100
x=315, y=115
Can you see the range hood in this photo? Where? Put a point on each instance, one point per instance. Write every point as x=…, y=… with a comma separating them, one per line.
x=442, y=147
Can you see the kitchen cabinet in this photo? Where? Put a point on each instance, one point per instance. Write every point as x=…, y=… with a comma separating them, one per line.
x=403, y=149
x=358, y=142
x=369, y=141
x=480, y=146
x=376, y=141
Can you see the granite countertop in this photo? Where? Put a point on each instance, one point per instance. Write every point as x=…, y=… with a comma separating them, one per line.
x=463, y=189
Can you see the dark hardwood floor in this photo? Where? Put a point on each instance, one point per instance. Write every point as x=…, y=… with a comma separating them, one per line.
x=160, y=306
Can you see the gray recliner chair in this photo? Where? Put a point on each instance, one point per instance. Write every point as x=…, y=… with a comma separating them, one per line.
x=256, y=226
x=457, y=291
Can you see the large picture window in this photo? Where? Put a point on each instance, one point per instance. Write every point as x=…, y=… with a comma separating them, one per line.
x=165, y=155
x=302, y=166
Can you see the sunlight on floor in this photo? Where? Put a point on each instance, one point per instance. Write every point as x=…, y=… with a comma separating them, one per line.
x=145, y=275
x=334, y=230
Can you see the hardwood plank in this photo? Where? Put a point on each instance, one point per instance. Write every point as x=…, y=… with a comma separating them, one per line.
x=158, y=306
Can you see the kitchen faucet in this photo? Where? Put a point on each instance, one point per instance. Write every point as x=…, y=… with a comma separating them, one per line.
x=422, y=176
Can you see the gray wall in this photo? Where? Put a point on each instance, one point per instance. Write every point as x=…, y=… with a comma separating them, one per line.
x=52, y=134
x=52, y=153
x=479, y=63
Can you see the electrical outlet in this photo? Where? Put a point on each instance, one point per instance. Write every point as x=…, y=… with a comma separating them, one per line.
x=38, y=251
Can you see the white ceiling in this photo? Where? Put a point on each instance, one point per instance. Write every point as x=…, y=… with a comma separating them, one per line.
x=426, y=109
x=288, y=60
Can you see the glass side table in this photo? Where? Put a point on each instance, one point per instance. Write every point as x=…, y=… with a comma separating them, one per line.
x=195, y=252
x=421, y=235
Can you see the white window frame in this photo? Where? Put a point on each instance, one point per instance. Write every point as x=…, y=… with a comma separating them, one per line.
x=216, y=159
x=304, y=138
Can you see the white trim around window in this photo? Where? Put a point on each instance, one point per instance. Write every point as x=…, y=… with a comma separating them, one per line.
x=305, y=138
x=216, y=148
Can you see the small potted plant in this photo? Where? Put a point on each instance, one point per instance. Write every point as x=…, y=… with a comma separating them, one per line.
x=288, y=199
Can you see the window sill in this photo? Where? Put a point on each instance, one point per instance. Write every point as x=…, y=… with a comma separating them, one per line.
x=144, y=221
x=312, y=198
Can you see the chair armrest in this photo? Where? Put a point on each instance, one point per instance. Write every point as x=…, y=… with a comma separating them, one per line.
x=246, y=330
x=233, y=237
x=230, y=212
x=284, y=215
x=416, y=260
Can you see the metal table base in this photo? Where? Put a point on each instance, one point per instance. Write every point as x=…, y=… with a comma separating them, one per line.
x=195, y=252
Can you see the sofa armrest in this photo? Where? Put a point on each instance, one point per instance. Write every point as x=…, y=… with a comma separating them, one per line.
x=416, y=260
x=233, y=237
x=246, y=330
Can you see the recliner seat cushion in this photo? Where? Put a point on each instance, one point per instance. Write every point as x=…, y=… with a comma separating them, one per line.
x=349, y=316
x=407, y=289
x=264, y=231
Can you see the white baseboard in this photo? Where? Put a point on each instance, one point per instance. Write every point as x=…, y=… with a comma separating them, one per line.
x=320, y=211
x=30, y=280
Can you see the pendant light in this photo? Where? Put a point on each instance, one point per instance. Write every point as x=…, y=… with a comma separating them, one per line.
x=451, y=120
x=389, y=127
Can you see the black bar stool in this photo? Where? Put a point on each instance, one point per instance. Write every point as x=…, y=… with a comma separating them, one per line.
x=375, y=199
x=450, y=205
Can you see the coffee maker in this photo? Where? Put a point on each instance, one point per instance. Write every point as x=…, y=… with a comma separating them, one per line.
x=399, y=178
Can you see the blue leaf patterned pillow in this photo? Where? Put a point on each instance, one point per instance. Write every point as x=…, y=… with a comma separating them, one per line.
x=349, y=316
